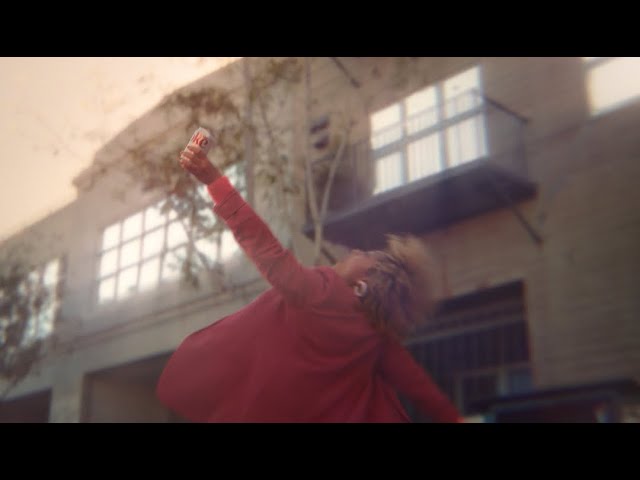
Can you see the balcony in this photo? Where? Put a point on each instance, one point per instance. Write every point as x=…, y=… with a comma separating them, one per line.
x=438, y=167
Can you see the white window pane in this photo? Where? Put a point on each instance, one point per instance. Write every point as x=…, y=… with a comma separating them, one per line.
x=203, y=193
x=461, y=92
x=4, y=323
x=228, y=245
x=386, y=126
x=176, y=234
x=424, y=157
x=422, y=111
x=111, y=236
x=172, y=263
x=385, y=118
x=127, y=280
x=388, y=172
x=150, y=274
x=152, y=243
x=172, y=214
x=462, y=82
x=209, y=217
x=45, y=320
x=33, y=280
x=23, y=287
x=466, y=141
x=153, y=218
x=422, y=121
x=132, y=226
x=51, y=272
x=420, y=101
x=209, y=248
x=30, y=330
x=235, y=174
x=130, y=253
x=614, y=83
x=387, y=136
x=109, y=262
x=107, y=289
x=462, y=103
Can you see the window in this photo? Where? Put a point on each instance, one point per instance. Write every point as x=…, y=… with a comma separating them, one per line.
x=477, y=347
x=611, y=82
x=148, y=247
x=39, y=298
x=438, y=127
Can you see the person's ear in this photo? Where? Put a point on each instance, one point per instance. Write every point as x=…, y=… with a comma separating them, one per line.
x=360, y=288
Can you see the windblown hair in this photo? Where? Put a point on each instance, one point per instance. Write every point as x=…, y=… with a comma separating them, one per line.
x=401, y=292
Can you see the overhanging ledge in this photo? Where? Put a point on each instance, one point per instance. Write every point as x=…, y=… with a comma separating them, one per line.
x=425, y=205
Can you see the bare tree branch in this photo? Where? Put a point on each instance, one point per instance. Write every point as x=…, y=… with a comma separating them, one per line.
x=311, y=191
x=249, y=142
x=319, y=227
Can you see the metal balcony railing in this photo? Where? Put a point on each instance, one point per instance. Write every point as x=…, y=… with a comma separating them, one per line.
x=468, y=128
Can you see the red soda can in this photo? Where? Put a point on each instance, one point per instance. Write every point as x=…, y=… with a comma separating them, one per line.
x=202, y=138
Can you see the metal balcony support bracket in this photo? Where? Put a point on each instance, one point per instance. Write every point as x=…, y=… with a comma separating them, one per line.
x=354, y=82
x=504, y=196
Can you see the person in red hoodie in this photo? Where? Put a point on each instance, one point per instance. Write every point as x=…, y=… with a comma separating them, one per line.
x=322, y=345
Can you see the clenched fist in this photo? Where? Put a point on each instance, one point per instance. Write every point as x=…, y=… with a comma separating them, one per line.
x=194, y=161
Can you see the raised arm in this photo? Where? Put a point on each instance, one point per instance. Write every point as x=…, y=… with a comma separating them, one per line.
x=298, y=284
x=401, y=371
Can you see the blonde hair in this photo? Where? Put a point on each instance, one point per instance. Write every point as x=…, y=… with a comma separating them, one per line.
x=401, y=292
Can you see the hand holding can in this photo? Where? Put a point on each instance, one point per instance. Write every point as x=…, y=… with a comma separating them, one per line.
x=194, y=157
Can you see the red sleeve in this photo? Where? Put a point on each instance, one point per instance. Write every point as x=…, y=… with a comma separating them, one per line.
x=402, y=372
x=297, y=283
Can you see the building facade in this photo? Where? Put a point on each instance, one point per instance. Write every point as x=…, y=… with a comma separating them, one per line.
x=520, y=173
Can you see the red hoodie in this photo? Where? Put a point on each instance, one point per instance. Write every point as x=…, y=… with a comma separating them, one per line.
x=300, y=352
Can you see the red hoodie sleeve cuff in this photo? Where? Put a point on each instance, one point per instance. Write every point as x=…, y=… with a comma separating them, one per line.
x=220, y=189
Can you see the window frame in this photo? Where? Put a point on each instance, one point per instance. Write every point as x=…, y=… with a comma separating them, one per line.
x=498, y=314
x=590, y=65
x=443, y=122
x=32, y=287
x=166, y=254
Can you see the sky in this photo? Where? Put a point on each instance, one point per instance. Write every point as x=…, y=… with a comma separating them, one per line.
x=56, y=112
